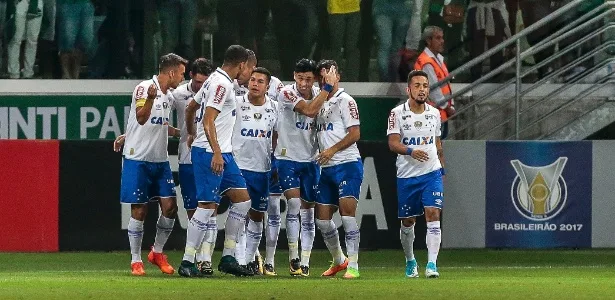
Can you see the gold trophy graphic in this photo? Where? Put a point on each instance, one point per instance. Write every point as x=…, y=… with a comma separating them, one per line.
x=538, y=193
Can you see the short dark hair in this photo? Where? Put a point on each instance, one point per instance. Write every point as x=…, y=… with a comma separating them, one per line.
x=305, y=65
x=171, y=60
x=251, y=55
x=263, y=71
x=201, y=66
x=235, y=54
x=327, y=64
x=417, y=73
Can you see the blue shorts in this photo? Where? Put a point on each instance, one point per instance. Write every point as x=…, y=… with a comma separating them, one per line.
x=188, y=188
x=340, y=181
x=258, y=188
x=209, y=185
x=301, y=175
x=142, y=180
x=415, y=193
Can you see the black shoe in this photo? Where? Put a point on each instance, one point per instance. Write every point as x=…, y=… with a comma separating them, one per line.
x=205, y=268
x=253, y=267
x=228, y=264
x=244, y=270
x=305, y=271
x=295, y=269
x=188, y=269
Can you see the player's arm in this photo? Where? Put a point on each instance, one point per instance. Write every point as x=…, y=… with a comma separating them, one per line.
x=189, y=115
x=353, y=136
x=209, y=124
x=395, y=144
x=311, y=109
x=174, y=132
x=440, y=151
x=144, y=106
x=119, y=142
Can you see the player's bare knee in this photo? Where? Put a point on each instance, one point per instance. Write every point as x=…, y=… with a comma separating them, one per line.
x=432, y=214
x=307, y=205
x=238, y=195
x=256, y=216
x=348, y=206
x=207, y=205
x=325, y=212
x=190, y=213
x=408, y=222
x=138, y=211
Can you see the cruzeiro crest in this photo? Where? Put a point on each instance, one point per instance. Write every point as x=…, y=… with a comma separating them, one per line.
x=539, y=193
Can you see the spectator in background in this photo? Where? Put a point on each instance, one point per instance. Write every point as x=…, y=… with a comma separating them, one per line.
x=487, y=21
x=178, y=20
x=413, y=39
x=2, y=35
x=431, y=62
x=391, y=20
x=76, y=32
x=450, y=15
x=112, y=57
x=23, y=20
x=532, y=11
x=344, y=25
x=47, y=51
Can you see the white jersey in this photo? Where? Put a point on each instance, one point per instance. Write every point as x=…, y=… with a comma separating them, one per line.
x=297, y=132
x=252, y=136
x=217, y=92
x=148, y=142
x=419, y=132
x=337, y=115
x=181, y=96
x=275, y=86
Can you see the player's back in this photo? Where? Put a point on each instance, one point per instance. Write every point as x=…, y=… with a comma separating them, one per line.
x=419, y=132
x=296, y=132
x=217, y=92
x=148, y=142
x=181, y=96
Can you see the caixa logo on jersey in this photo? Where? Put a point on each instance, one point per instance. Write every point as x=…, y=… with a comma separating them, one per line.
x=419, y=140
x=159, y=121
x=305, y=125
x=325, y=127
x=539, y=193
x=256, y=133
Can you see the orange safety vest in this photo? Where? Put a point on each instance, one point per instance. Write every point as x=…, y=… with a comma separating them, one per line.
x=441, y=73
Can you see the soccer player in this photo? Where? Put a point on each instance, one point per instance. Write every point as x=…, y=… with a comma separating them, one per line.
x=215, y=169
x=342, y=172
x=414, y=134
x=298, y=174
x=146, y=172
x=254, y=137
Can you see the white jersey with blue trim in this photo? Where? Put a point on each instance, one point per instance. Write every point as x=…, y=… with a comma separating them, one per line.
x=419, y=132
x=217, y=92
x=297, y=132
x=275, y=86
x=148, y=142
x=252, y=136
x=181, y=96
x=338, y=114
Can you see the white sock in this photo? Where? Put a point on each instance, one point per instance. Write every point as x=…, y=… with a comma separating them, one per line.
x=196, y=232
x=254, y=232
x=353, y=237
x=208, y=241
x=332, y=239
x=135, y=238
x=292, y=227
x=273, y=228
x=213, y=240
x=308, y=231
x=406, y=235
x=433, y=240
x=240, y=247
x=164, y=227
x=235, y=222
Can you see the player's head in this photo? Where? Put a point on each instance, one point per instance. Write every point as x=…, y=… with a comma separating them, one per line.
x=418, y=86
x=235, y=59
x=173, y=66
x=305, y=75
x=434, y=38
x=244, y=75
x=200, y=69
x=323, y=67
x=259, y=82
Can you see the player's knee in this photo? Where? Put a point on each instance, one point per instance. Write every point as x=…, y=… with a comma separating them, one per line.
x=307, y=205
x=256, y=216
x=432, y=214
x=408, y=222
x=138, y=211
x=170, y=211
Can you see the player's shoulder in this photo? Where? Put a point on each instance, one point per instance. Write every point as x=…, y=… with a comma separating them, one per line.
x=141, y=88
x=431, y=110
x=398, y=109
x=343, y=97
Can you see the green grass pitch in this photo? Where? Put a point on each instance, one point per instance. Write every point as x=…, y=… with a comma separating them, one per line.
x=465, y=274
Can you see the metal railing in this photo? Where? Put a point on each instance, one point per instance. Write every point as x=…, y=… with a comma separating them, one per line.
x=581, y=23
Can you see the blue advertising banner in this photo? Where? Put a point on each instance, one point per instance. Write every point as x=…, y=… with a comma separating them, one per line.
x=538, y=195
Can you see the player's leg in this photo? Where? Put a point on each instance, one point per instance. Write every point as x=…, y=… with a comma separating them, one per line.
x=134, y=191
x=290, y=182
x=207, y=186
x=433, y=197
x=349, y=179
x=408, y=207
x=272, y=233
x=163, y=186
x=310, y=176
x=327, y=204
x=240, y=247
x=203, y=256
x=258, y=189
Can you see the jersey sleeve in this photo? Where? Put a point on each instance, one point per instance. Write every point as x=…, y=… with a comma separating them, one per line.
x=139, y=95
x=350, y=112
x=393, y=124
x=217, y=95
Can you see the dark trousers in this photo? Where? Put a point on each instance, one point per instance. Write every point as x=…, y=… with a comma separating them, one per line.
x=477, y=39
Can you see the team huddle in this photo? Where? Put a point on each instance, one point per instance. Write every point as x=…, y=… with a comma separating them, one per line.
x=247, y=137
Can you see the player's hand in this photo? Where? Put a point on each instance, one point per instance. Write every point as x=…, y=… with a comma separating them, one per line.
x=324, y=157
x=217, y=163
x=118, y=143
x=152, y=91
x=190, y=140
x=329, y=76
x=420, y=155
